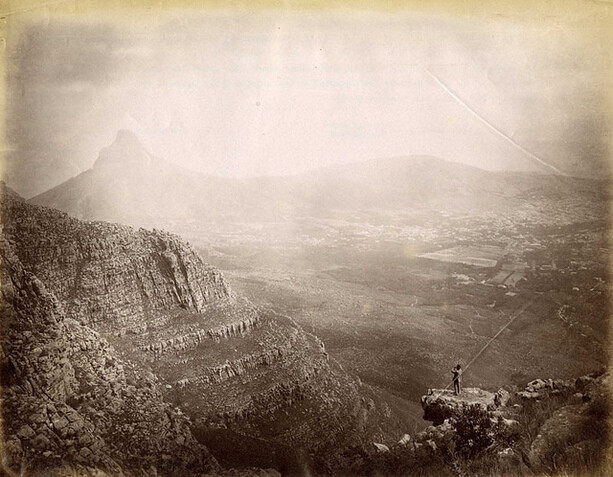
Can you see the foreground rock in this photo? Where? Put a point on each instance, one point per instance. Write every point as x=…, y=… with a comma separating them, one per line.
x=562, y=432
x=441, y=404
x=576, y=432
x=66, y=399
x=550, y=427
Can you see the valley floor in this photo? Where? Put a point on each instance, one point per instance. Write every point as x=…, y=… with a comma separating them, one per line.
x=400, y=320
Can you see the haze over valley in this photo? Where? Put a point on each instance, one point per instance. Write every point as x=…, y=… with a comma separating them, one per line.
x=401, y=266
x=304, y=241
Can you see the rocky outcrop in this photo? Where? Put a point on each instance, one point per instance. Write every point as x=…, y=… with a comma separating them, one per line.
x=575, y=432
x=557, y=433
x=108, y=275
x=544, y=388
x=195, y=335
x=441, y=404
x=237, y=367
x=70, y=404
x=551, y=427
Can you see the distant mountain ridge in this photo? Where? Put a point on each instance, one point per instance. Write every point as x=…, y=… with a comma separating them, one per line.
x=129, y=185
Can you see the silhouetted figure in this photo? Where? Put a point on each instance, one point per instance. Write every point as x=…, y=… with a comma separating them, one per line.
x=457, y=378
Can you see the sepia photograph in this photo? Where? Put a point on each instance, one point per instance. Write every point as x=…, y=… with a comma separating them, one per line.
x=300, y=238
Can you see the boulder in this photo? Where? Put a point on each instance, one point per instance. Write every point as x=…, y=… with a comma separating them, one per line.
x=501, y=397
x=25, y=432
x=405, y=440
x=381, y=448
x=442, y=404
x=556, y=434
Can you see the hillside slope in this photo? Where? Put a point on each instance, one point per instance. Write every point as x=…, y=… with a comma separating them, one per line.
x=70, y=404
x=173, y=319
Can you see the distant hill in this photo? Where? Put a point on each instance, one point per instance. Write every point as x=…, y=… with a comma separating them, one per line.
x=126, y=182
x=129, y=185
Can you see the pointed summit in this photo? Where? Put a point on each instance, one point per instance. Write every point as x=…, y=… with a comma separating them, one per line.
x=126, y=138
x=126, y=150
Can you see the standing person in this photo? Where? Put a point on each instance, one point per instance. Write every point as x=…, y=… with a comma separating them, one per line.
x=457, y=378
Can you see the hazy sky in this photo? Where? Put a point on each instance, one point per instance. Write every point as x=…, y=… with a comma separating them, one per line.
x=281, y=91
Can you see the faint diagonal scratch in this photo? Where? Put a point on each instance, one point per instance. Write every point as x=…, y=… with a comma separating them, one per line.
x=491, y=126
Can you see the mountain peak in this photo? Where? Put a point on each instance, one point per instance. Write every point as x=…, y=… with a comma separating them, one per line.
x=125, y=150
x=126, y=138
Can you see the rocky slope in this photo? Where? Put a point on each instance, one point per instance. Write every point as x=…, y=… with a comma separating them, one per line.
x=107, y=274
x=552, y=427
x=173, y=321
x=70, y=405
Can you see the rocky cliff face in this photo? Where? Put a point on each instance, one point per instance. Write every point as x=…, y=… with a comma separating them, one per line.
x=145, y=304
x=110, y=275
x=70, y=405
